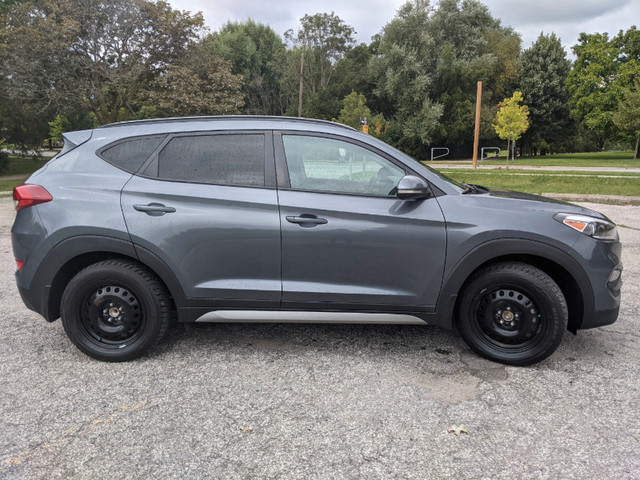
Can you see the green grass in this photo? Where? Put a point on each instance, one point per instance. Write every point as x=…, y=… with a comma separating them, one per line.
x=553, y=183
x=582, y=173
x=7, y=186
x=24, y=165
x=592, y=159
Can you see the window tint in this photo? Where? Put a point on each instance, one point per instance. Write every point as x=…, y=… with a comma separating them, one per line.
x=131, y=154
x=221, y=159
x=323, y=164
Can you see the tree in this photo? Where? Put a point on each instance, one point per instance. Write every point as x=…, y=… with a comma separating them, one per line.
x=354, y=108
x=402, y=71
x=628, y=115
x=545, y=70
x=428, y=60
x=199, y=84
x=323, y=39
x=512, y=120
x=351, y=73
x=68, y=122
x=99, y=56
x=256, y=52
x=604, y=69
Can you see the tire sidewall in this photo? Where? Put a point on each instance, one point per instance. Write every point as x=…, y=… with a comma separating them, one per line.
x=90, y=280
x=553, y=324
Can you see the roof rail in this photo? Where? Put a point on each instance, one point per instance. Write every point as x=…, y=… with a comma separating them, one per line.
x=152, y=121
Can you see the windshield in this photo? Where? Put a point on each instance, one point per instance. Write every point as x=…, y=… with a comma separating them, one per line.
x=457, y=185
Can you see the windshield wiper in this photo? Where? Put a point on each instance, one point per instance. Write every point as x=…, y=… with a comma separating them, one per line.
x=471, y=188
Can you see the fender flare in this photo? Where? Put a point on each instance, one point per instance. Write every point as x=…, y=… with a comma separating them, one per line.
x=455, y=278
x=46, y=289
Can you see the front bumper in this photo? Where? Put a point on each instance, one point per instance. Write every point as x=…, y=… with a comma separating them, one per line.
x=605, y=275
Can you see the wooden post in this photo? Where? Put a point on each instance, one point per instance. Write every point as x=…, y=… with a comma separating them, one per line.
x=476, y=134
x=301, y=83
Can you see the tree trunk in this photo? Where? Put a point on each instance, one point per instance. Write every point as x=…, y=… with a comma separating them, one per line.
x=637, y=155
x=301, y=83
x=508, y=152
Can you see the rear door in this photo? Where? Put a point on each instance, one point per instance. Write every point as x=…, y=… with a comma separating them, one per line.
x=347, y=241
x=206, y=205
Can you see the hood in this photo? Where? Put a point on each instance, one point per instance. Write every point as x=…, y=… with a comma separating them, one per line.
x=538, y=202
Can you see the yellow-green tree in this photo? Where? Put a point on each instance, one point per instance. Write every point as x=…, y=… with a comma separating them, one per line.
x=354, y=108
x=512, y=120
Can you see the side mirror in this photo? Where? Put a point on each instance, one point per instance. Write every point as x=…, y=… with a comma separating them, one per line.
x=411, y=187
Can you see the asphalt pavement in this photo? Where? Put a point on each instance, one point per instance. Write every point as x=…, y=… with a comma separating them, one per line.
x=319, y=401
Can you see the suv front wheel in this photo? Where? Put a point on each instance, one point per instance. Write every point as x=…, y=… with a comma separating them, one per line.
x=512, y=313
x=115, y=310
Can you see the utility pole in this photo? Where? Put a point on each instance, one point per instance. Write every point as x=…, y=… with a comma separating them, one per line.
x=301, y=83
x=476, y=134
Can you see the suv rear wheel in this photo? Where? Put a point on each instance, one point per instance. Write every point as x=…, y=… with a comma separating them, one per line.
x=115, y=310
x=512, y=313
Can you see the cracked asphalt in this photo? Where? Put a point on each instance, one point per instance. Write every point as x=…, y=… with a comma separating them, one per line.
x=319, y=401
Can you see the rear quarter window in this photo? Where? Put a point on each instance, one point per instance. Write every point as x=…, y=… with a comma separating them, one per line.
x=129, y=155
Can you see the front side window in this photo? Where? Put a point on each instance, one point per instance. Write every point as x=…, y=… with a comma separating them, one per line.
x=235, y=159
x=328, y=165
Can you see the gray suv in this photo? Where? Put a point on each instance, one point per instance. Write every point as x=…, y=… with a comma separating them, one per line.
x=228, y=219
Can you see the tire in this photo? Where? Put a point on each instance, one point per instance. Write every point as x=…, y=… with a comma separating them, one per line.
x=115, y=310
x=512, y=313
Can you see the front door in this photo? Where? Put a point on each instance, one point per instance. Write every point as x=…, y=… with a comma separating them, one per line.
x=347, y=241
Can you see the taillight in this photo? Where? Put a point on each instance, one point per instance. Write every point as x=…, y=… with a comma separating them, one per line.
x=19, y=264
x=28, y=195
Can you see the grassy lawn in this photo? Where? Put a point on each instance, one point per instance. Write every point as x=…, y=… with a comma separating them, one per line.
x=592, y=159
x=24, y=165
x=554, y=183
x=7, y=186
x=581, y=173
x=531, y=181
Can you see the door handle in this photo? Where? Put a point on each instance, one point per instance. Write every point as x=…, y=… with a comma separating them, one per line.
x=154, y=209
x=306, y=220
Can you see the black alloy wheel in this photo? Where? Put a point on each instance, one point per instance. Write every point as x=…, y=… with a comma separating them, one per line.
x=112, y=315
x=115, y=310
x=513, y=313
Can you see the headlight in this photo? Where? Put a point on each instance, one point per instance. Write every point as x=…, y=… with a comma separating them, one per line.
x=594, y=227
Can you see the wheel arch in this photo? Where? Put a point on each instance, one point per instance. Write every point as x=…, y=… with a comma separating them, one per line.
x=74, y=254
x=559, y=265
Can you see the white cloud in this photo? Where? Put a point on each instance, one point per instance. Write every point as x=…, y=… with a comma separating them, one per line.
x=366, y=16
x=567, y=18
x=553, y=11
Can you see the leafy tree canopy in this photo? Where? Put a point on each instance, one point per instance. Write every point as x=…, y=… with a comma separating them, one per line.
x=70, y=54
x=604, y=69
x=512, y=119
x=354, y=108
x=257, y=53
x=627, y=117
x=543, y=84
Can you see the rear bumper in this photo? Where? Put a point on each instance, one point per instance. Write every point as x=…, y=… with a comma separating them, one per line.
x=36, y=301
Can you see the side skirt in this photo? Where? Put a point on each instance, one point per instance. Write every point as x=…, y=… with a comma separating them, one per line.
x=271, y=316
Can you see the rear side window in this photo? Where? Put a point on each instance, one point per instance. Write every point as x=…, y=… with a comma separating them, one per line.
x=220, y=159
x=129, y=155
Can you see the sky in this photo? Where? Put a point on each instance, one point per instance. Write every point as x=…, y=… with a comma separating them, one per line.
x=567, y=18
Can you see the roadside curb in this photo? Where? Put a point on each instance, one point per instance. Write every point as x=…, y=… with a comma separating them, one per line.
x=575, y=197
x=540, y=168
